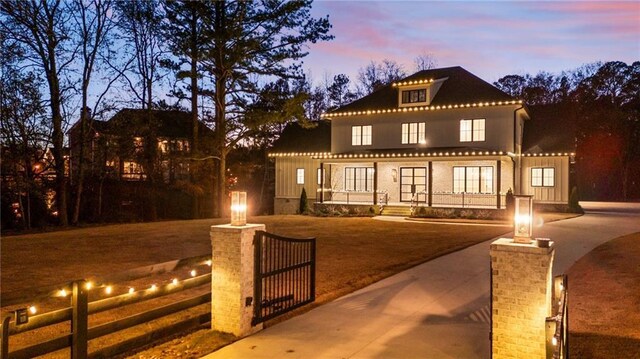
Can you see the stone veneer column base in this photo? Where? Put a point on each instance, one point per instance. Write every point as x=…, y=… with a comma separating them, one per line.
x=521, y=298
x=232, y=269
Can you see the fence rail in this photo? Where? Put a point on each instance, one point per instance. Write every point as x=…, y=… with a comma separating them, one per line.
x=81, y=309
x=557, y=326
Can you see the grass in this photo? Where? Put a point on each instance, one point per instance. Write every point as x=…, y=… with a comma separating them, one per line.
x=351, y=252
x=604, y=301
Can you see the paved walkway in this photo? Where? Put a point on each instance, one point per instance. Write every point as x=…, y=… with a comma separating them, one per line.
x=439, y=309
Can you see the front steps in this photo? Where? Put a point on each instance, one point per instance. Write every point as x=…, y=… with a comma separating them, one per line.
x=398, y=211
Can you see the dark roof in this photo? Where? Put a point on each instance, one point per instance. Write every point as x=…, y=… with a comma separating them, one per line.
x=461, y=87
x=295, y=138
x=552, y=128
x=167, y=123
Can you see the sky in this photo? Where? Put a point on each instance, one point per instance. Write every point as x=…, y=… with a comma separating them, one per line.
x=490, y=39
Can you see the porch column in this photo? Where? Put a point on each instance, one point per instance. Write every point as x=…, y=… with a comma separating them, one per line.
x=430, y=184
x=321, y=182
x=375, y=183
x=498, y=182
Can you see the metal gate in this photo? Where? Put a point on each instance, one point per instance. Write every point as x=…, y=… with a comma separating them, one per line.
x=284, y=274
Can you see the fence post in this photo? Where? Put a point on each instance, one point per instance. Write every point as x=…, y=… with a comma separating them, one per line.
x=4, y=352
x=79, y=320
x=232, y=287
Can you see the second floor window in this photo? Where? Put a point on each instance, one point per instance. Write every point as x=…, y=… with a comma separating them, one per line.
x=361, y=135
x=411, y=96
x=138, y=144
x=472, y=130
x=543, y=177
x=413, y=132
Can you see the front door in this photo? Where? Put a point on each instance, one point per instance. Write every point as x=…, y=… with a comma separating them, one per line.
x=413, y=179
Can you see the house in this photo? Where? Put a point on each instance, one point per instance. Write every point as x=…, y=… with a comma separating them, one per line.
x=438, y=138
x=135, y=142
x=139, y=165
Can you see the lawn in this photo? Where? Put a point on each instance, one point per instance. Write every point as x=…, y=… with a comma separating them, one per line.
x=604, y=301
x=351, y=253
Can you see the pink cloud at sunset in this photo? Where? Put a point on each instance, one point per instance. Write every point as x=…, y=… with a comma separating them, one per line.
x=491, y=39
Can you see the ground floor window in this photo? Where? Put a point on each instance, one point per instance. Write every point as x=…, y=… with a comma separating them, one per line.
x=543, y=177
x=473, y=179
x=358, y=179
x=300, y=176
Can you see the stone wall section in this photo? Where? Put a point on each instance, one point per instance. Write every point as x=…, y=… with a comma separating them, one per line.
x=232, y=278
x=521, y=298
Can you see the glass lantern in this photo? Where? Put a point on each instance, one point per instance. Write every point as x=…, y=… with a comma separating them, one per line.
x=523, y=219
x=238, y=208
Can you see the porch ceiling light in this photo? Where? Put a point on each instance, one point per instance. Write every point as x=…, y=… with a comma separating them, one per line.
x=523, y=219
x=238, y=208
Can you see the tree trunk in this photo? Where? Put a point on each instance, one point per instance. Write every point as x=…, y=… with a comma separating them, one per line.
x=58, y=155
x=194, y=165
x=81, y=165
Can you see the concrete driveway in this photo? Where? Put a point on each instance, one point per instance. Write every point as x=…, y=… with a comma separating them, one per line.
x=439, y=309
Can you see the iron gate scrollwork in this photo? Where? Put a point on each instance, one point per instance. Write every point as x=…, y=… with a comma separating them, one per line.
x=284, y=274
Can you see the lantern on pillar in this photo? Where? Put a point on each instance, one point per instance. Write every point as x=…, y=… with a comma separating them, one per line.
x=238, y=208
x=523, y=219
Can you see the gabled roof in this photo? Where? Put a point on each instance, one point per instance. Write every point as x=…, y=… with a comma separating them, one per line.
x=552, y=128
x=166, y=123
x=295, y=138
x=460, y=87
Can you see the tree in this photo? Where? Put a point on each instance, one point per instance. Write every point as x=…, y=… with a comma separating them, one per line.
x=92, y=26
x=339, y=93
x=252, y=41
x=187, y=38
x=41, y=27
x=376, y=75
x=424, y=61
x=513, y=85
x=24, y=134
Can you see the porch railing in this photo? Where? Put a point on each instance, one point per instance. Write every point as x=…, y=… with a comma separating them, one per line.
x=467, y=200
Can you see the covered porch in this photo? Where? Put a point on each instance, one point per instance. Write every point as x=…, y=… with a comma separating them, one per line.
x=445, y=180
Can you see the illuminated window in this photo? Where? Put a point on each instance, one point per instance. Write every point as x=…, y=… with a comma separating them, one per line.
x=360, y=135
x=358, y=179
x=300, y=176
x=320, y=175
x=472, y=130
x=138, y=144
x=132, y=170
x=413, y=132
x=163, y=146
x=473, y=179
x=412, y=96
x=543, y=177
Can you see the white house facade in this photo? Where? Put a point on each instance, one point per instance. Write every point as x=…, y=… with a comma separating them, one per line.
x=438, y=138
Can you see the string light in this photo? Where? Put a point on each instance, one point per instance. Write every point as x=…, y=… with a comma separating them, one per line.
x=62, y=293
x=427, y=154
x=209, y=262
x=33, y=309
x=174, y=281
x=554, y=341
x=193, y=273
x=423, y=108
x=131, y=290
x=153, y=287
x=88, y=285
x=108, y=289
x=295, y=154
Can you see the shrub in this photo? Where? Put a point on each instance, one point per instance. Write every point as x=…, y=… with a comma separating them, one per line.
x=574, y=201
x=303, y=207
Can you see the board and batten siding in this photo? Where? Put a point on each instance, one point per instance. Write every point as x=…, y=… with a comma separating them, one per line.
x=287, y=190
x=559, y=193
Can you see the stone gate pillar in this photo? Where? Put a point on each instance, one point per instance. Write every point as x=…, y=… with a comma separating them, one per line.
x=232, y=262
x=521, y=281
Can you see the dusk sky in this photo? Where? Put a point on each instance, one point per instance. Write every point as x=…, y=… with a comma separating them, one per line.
x=490, y=39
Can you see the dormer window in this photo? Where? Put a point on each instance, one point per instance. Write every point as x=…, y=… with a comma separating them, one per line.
x=414, y=96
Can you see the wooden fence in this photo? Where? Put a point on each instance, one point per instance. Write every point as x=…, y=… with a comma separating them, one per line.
x=81, y=309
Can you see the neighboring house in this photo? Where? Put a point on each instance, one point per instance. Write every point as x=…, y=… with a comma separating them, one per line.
x=131, y=144
x=440, y=138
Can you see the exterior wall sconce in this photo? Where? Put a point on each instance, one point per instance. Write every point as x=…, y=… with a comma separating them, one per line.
x=394, y=175
x=238, y=208
x=523, y=219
